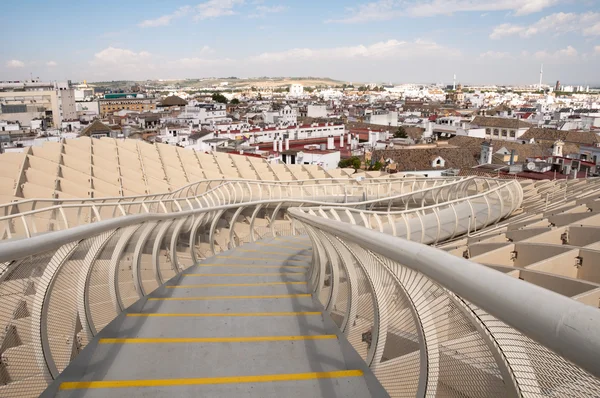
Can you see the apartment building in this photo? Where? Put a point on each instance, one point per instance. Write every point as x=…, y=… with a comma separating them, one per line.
x=131, y=102
x=25, y=101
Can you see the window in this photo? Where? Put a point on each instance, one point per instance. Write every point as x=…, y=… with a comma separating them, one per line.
x=496, y=131
x=504, y=133
x=488, y=131
x=513, y=134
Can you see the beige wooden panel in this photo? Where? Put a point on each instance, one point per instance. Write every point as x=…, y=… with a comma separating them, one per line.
x=156, y=187
x=42, y=164
x=50, y=151
x=133, y=174
x=78, y=164
x=40, y=178
x=75, y=175
x=110, y=175
x=130, y=145
x=110, y=189
x=7, y=186
x=31, y=190
x=155, y=173
x=77, y=152
x=84, y=143
x=136, y=186
x=12, y=158
x=9, y=170
x=73, y=188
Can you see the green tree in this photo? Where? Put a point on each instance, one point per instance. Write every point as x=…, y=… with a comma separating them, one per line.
x=400, y=133
x=220, y=98
x=235, y=101
x=376, y=166
x=353, y=162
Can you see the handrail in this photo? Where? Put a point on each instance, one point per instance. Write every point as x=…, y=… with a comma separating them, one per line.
x=171, y=195
x=566, y=326
x=15, y=248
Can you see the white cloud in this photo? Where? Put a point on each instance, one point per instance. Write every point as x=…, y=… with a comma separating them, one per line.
x=597, y=50
x=262, y=11
x=587, y=24
x=216, y=8
x=381, y=50
x=206, y=10
x=15, y=63
x=165, y=19
x=563, y=55
x=389, y=9
x=51, y=64
x=374, y=11
x=117, y=60
x=495, y=55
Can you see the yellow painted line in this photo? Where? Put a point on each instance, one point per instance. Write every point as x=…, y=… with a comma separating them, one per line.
x=273, y=296
x=256, y=259
x=218, y=339
x=252, y=274
x=78, y=385
x=235, y=284
x=227, y=314
x=252, y=266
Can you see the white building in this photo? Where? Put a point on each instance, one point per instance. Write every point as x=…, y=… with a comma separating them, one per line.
x=316, y=111
x=199, y=113
x=286, y=116
x=382, y=118
x=29, y=100
x=327, y=159
x=296, y=90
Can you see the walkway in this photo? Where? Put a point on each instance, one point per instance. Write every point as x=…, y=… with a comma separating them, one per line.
x=240, y=324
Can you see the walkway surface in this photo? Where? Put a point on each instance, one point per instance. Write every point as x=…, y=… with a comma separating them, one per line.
x=240, y=324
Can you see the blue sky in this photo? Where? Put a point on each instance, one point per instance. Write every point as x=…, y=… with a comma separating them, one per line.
x=500, y=41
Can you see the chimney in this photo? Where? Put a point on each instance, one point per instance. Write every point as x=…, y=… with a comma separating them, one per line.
x=274, y=145
x=486, y=153
x=281, y=145
x=330, y=142
x=287, y=144
x=341, y=141
x=512, y=157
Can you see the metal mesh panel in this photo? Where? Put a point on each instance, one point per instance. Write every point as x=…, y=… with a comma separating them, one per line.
x=538, y=371
x=165, y=265
x=63, y=326
x=182, y=246
x=125, y=273
x=102, y=306
x=147, y=272
x=21, y=371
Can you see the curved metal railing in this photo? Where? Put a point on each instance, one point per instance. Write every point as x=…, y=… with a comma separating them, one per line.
x=423, y=334
x=432, y=324
x=25, y=223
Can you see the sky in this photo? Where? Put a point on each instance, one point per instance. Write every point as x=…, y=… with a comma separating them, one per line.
x=395, y=41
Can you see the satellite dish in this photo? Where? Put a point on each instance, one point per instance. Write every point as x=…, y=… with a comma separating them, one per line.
x=531, y=166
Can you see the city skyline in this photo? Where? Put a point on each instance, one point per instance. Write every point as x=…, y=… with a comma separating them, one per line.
x=483, y=42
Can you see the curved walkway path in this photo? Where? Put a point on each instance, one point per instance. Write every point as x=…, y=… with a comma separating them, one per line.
x=240, y=324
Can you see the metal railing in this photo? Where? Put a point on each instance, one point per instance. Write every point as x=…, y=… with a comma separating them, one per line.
x=432, y=324
x=21, y=222
x=422, y=336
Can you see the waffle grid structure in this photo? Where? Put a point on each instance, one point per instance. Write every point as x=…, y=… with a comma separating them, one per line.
x=420, y=287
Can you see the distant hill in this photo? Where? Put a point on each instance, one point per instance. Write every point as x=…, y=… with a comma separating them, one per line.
x=232, y=82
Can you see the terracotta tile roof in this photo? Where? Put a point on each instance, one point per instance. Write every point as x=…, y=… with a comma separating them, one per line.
x=96, y=127
x=500, y=122
x=421, y=158
x=173, y=100
x=576, y=137
x=524, y=151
